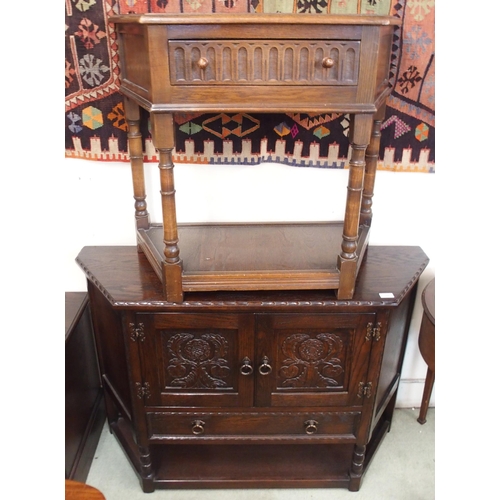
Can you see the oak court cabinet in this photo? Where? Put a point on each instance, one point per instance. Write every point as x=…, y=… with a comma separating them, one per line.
x=250, y=389
x=227, y=362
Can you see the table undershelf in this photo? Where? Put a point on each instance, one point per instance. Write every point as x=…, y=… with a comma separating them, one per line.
x=254, y=256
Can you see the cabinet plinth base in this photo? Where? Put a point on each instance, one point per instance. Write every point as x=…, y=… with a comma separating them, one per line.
x=247, y=466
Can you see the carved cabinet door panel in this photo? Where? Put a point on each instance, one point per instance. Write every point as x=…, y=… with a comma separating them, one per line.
x=197, y=359
x=312, y=360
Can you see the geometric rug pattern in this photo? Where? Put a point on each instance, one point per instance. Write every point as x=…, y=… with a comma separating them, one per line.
x=95, y=128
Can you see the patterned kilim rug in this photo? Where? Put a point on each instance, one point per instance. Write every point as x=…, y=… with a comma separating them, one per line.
x=96, y=129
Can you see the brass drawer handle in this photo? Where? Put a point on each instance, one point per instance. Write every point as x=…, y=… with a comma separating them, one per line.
x=202, y=63
x=328, y=62
x=311, y=426
x=246, y=368
x=265, y=368
x=198, y=427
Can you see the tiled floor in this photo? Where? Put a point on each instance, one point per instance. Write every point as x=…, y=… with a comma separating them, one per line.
x=402, y=469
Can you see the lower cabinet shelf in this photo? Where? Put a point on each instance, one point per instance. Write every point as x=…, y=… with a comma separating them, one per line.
x=250, y=389
x=248, y=466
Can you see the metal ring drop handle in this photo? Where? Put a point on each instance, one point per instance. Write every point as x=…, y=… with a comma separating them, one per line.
x=246, y=368
x=311, y=426
x=198, y=427
x=265, y=368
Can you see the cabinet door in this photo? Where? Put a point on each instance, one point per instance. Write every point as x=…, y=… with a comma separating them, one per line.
x=311, y=360
x=197, y=359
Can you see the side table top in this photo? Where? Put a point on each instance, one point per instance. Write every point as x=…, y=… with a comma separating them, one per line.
x=243, y=18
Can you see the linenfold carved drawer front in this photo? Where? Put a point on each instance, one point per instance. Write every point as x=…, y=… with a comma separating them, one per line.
x=264, y=62
x=184, y=425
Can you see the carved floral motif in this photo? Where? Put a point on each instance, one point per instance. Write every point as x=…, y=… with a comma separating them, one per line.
x=198, y=362
x=311, y=361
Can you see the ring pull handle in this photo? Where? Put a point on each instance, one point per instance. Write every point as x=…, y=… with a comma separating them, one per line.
x=311, y=427
x=246, y=368
x=328, y=62
x=202, y=63
x=198, y=427
x=265, y=368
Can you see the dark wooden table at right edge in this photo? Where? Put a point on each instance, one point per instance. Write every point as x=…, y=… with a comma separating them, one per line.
x=426, y=341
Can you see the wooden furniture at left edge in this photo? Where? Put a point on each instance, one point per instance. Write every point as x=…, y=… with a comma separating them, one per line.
x=85, y=413
x=250, y=388
x=260, y=63
x=75, y=490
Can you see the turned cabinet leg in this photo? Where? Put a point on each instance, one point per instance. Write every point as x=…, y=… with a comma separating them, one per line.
x=163, y=136
x=146, y=472
x=132, y=114
x=358, y=459
x=347, y=262
x=372, y=155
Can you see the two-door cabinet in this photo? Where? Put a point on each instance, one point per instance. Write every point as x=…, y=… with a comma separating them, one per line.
x=250, y=388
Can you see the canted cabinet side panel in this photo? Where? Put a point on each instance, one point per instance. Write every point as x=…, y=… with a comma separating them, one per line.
x=395, y=344
x=84, y=407
x=109, y=339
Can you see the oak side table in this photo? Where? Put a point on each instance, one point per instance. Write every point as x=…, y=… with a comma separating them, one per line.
x=255, y=63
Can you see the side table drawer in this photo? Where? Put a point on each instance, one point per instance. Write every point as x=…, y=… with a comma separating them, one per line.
x=184, y=425
x=258, y=62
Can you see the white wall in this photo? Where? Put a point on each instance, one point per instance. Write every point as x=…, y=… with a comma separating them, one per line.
x=99, y=210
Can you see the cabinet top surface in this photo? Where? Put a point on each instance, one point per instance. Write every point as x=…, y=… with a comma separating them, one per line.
x=127, y=279
x=246, y=18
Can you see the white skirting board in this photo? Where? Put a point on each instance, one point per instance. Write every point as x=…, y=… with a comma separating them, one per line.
x=410, y=394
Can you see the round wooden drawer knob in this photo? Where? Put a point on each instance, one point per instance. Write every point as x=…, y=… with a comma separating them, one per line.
x=328, y=62
x=203, y=63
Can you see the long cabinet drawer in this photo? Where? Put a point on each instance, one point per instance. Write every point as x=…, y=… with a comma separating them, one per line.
x=258, y=62
x=185, y=425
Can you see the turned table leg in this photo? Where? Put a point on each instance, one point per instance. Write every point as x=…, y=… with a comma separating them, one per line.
x=372, y=155
x=360, y=132
x=132, y=114
x=163, y=136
